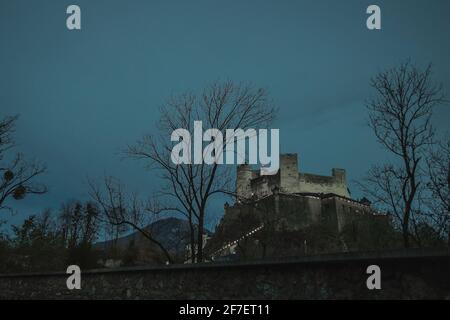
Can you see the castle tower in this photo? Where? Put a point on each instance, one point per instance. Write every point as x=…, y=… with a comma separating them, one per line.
x=340, y=180
x=339, y=175
x=243, y=181
x=289, y=172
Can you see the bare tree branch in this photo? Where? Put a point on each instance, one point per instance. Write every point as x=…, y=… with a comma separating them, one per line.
x=17, y=176
x=400, y=117
x=221, y=106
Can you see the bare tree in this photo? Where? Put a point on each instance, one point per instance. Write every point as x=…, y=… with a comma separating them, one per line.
x=189, y=187
x=122, y=210
x=438, y=183
x=17, y=175
x=400, y=117
x=79, y=223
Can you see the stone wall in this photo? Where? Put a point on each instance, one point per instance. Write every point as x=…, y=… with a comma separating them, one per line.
x=404, y=275
x=289, y=180
x=298, y=211
x=336, y=184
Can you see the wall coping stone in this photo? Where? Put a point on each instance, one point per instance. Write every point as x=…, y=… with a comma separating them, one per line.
x=336, y=258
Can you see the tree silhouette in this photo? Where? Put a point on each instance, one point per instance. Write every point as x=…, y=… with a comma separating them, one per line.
x=17, y=175
x=188, y=188
x=400, y=117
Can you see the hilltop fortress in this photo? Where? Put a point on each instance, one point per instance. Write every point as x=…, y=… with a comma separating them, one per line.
x=287, y=203
x=249, y=182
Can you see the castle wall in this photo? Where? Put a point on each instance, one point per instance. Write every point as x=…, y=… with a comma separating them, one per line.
x=289, y=180
x=315, y=208
x=292, y=211
x=336, y=183
x=347, y=212
x=284, y=213
x=263, y=185
x=329, y=216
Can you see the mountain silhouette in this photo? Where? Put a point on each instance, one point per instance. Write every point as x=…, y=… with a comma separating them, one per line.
x=172, y=233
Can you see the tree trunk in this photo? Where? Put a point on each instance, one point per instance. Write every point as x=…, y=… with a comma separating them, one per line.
x=405, y=232
x=192, y=240
x=200, y=239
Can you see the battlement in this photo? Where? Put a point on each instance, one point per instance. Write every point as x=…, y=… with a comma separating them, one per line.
x=289, y=180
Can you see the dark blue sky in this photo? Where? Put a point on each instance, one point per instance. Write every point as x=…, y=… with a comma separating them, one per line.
x=83, y=95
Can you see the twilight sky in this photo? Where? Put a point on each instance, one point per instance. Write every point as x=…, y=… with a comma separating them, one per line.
x=83, y=95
